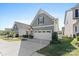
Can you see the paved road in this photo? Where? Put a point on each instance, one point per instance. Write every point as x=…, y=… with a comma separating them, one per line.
x=29, y=47
x=9, y=48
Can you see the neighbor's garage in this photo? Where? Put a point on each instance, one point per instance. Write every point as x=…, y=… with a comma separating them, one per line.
x=43, y=34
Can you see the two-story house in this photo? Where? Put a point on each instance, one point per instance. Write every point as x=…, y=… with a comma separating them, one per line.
x=71, y=22
x=43, y=25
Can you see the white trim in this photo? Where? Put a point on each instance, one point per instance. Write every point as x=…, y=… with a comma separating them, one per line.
x=37, y=31
x=42, y=26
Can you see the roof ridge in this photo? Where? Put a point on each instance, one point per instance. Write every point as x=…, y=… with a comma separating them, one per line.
x=20, y=23
x=43, y=11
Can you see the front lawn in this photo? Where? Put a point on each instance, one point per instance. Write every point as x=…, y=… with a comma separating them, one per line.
x=66, y=47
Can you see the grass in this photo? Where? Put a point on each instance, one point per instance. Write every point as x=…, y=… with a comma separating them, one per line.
x=10, y=39
x=67, y=47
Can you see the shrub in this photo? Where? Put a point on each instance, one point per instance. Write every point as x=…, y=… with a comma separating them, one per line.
x=65, y=37
x=77, y=38
x=17, y=35
x=54, y=38
x=25, y=36
x=9, y=35
x=30, y=36
x=54, y=42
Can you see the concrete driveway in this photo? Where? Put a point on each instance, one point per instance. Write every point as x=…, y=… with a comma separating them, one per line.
x=23, y=48
x=29, y=47
x=9, y=48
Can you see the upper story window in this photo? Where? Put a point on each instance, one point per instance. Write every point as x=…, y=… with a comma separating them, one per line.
x=76, y=13
x=41, y=20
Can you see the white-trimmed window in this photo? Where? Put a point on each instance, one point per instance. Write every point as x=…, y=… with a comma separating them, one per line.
x=76, y=13
x=39, y=31
x=41, y=20
x=15, y=26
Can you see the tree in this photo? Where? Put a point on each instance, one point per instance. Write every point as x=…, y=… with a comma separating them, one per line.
x=12, y=33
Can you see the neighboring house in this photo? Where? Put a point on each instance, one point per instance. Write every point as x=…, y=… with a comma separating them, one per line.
x=71, y=22
x=60, y=34
x=21, y=28
x=43, y=25
x=8, y=29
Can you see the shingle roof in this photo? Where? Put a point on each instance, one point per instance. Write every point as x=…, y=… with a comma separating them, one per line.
x=42, y=11
x=77, y=5
x=22, y=25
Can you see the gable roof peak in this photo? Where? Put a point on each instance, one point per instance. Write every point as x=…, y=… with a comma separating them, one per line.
x=41, y=11
x=22, y=25
x=77, y=5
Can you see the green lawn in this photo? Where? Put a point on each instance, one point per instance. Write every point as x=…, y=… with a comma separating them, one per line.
x=66, y=48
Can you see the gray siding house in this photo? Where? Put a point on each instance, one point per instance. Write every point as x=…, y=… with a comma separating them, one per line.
x=21, y=28
x=43, y=25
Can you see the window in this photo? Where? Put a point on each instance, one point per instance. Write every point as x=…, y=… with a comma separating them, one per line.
x=41, y=20
x=35, y=31
x=15, y=26
x=43, y=31
x=75, y=28
x=48, y=31
x=39, y=31
x=76, y=14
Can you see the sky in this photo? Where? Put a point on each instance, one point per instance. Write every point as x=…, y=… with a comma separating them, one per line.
x=25, y=12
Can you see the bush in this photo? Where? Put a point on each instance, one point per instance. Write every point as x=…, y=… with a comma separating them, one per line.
x=10, y=36
x=25, y=36
x=30, y=36
x=77, y=38
x=54, y=38
x=54, y=42
x=65, y=37
x=17, y=35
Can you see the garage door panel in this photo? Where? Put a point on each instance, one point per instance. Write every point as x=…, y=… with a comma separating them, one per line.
x=45, y=36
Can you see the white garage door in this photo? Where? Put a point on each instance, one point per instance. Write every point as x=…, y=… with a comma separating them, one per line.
x=41, y=34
